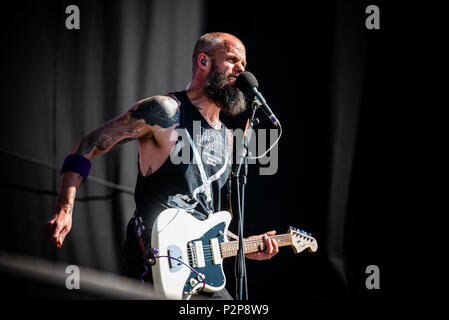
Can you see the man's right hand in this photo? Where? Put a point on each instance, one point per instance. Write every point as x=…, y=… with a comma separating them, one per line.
x=59, y=226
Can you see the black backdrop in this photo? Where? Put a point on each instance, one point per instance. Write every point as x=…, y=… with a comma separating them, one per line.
x=325, y=75
x=328, y=79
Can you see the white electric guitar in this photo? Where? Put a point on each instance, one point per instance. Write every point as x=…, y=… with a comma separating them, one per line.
x=191, y=260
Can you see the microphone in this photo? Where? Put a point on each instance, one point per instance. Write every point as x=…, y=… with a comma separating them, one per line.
x=247, y=83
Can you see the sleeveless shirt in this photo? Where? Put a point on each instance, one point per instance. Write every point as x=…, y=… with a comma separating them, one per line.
x=194, y=176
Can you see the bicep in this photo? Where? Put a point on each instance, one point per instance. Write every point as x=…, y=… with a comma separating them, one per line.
x=147, y=118
x=110, y=135
x=161, y=114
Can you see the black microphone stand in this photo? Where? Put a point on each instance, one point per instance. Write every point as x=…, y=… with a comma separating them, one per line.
x=240, y=268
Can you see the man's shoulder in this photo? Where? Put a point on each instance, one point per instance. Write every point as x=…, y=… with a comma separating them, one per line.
x=162, y=110
x=167, y=102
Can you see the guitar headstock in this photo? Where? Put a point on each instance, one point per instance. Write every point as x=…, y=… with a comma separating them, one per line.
x=302, y=240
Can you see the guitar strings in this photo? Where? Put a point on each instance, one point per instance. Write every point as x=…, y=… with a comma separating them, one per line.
x=230, y=245
x=250, y=241
x=208, y=254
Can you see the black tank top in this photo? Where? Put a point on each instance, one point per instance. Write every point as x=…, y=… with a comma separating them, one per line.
x=194, y=176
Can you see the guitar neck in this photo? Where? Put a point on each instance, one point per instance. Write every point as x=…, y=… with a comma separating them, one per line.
x=230, y=249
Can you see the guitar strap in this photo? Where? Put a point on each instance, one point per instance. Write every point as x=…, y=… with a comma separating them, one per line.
x=142, y=239
x=137, y=221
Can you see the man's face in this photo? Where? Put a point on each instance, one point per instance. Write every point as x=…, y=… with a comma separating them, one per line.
x=231, y=59
x=227, y=63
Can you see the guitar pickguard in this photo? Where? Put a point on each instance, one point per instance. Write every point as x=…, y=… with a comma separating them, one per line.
x=213, y=273
x=178, y=234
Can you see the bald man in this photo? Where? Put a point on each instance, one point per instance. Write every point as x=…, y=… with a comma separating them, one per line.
x=156, y=123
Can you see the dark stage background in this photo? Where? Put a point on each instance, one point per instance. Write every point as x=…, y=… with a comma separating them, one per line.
x=328, y=79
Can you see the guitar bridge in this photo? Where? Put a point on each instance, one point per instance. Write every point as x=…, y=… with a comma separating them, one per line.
x=192, y=253
x=175, y=252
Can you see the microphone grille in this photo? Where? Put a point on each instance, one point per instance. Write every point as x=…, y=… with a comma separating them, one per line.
x=246, y=81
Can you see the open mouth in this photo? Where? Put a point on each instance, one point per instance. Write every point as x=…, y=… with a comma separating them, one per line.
x=232, y=79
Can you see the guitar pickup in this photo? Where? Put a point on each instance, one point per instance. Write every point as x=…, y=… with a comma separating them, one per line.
x=200, y=262
x=216, y=255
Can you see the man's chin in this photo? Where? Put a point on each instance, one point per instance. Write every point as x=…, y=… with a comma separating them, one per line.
x=235, y=108
x=226, y=95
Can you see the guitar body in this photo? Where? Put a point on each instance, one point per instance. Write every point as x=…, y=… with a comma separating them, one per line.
x=195, y=245
x=190, y=251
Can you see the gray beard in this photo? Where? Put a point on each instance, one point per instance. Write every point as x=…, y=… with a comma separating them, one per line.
x=230, y=99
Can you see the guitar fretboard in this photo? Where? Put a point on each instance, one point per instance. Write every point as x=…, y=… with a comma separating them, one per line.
x=230, y=249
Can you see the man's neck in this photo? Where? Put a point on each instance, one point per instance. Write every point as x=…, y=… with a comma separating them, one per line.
x=208, y=109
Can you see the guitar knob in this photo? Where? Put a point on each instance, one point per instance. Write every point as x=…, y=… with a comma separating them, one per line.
x=200, y=277
x=193, y=282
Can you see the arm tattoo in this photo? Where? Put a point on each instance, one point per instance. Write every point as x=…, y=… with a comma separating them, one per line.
x=111, y=135
x=161, y=111
x=149, y=171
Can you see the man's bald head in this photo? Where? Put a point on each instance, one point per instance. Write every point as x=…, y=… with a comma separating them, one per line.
x=209, y=43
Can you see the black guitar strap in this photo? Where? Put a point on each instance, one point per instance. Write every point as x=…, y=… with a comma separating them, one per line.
x=143, y=239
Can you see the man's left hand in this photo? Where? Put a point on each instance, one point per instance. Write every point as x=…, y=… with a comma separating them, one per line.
x=271, y=250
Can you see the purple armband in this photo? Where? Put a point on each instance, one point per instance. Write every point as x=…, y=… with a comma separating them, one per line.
x=76, y=163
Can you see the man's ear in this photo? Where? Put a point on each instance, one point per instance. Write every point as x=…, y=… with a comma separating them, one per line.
x=203, y=61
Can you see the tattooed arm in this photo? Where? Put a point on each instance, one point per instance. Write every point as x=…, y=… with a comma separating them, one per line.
x=147, y=119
